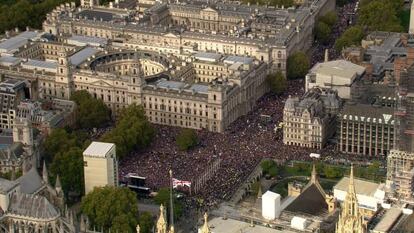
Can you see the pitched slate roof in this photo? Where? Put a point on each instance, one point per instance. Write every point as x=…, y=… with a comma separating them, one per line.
x=32, y=206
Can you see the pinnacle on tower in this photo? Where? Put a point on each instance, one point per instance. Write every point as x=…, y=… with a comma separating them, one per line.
x=45, y=174
x=171, y=229
x=205, y=228
x=313, y=174
x=58, y=185
x=161, y=223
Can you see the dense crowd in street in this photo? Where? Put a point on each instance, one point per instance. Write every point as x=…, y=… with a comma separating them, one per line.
x=244, y=144
x=346, y=17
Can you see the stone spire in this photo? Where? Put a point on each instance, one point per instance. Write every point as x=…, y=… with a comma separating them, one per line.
x=350, y=219
x=351, y=202
x=45, y=174
x=326, y=55
x=161, y=223
x=205, y=228
x=58, y=185
x=314, y=175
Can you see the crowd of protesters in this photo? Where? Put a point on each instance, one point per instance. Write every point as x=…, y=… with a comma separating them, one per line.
x=241, y=147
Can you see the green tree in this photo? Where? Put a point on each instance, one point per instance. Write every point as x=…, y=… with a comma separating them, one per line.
x=90, y=112
x=132, y=131
x=69, y=166
x=277, y=82
x=380, y=15
x=332, y=172
x=163, y=197
x=57, y=141
x=322, y=32
x=111, y=208
x=297, y=65
x=329, y=18
x=352, y=36
x=267, y=165
x=146, y=222
x=186, y=139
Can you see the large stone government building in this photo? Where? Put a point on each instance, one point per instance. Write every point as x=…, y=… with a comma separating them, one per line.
x=198, y=65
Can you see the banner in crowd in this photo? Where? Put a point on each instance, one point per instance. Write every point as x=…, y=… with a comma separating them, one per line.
x=176, y=183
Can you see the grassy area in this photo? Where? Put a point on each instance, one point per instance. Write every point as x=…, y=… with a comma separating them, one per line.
x=297, y=168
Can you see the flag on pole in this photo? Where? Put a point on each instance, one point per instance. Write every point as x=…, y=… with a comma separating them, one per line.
x=177, y=183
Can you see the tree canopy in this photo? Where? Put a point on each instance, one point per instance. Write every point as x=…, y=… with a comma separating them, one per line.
x=132, y=131
x=329, y=18
x=146, y=222
x=324, y=25
x=63, y=150
x=22, y=13
x=297, y=65
x=270, y=167
x=322, y=32
x=111, y=208
x=60, y=140
x=352, y=36
x=277, y=82
x=69, y=165
x=186, y=139
x=90, y=112
x=380, y=15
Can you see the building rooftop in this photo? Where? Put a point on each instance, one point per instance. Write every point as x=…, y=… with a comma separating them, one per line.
x=81, y=56
x=9, y=60
x=310, y=201
x=30, y=182
x=210, y=57
x=39, y=64
x=238, y=59
x=362, y=187
x=11, y=85
x=32, y=206
x=13, y=43
x=6, y=185
x=342, y=68
x=87, y=40
x=367, y=112
x=219, y=225
x=98, y=15
x=98, y=149
x=388, y=220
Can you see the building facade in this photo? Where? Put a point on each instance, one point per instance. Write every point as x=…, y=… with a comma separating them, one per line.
x=366, y=130
x=310, y=121
x=11, y=93
x=269, y=34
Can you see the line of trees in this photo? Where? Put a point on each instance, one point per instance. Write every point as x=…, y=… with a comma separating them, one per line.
x=63, y=147
x=375, y=15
